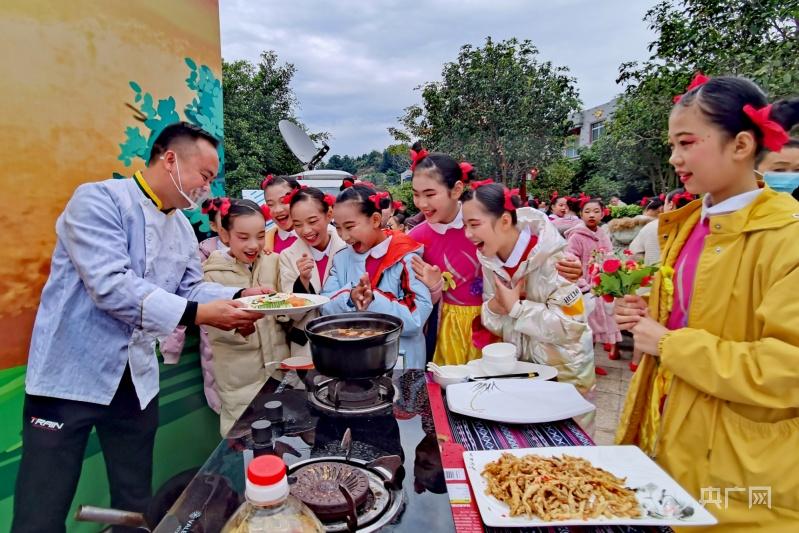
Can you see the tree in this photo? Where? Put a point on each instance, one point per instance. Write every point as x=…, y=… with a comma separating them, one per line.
x=758, y=39
x=404, y=194
x=498, y=106
x=257, y=97
x=557, y=176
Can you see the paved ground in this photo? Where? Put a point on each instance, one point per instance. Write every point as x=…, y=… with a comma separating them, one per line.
x=611, y=390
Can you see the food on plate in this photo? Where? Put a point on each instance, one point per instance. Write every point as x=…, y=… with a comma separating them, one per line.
x=352, y=333
x=558, y=488
x=278, y=300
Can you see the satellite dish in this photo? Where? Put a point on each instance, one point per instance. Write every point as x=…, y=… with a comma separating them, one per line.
x=301, y=145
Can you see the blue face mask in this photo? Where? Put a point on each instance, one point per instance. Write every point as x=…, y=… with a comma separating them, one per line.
x=782, y=181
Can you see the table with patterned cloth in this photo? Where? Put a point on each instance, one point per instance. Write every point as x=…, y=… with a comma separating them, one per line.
x=473, y=434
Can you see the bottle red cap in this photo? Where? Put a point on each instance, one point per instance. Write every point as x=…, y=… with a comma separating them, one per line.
x=266, y=470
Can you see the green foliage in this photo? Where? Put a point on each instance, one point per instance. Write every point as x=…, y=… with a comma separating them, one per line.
x=497, y=106
x=599, y=186
x=757, y=39
x=257, y=97
x=382, y=169
x=205, y=111
x=557, y=176
x=625, y=211
x=404, y=193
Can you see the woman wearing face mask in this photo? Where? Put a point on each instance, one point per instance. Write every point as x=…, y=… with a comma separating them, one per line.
x=780, y=170
x=306, y=264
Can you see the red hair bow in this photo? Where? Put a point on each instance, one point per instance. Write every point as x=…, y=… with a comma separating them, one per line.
x=347, y=183
x=417, y=156
x=266, y=212
x=397, y=205
x=698, y=80
x=477, y=184
x=208, y=207
x=509, y=194
x=267, y=181
x=224, y=206
x=330, y=200
x=774, y=136
x=465, y=169
x=662, y=197
x=377, y=198
x=584, y=199
x=644, y=201
x=287, y=198
x=605, y=212
x=553, y=197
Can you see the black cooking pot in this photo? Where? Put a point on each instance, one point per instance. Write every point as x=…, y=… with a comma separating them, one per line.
x=364, y=358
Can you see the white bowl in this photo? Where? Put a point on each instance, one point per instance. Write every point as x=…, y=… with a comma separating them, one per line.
x=498, y=366
x=450, y=375
x=499, y=350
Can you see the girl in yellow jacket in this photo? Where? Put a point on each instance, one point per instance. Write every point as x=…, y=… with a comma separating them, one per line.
x=716, y=400
x=242, y=364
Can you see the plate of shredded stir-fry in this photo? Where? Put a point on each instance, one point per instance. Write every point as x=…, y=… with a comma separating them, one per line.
x=578, y=486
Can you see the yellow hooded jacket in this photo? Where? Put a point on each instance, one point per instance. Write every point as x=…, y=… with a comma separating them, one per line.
x=730, y=380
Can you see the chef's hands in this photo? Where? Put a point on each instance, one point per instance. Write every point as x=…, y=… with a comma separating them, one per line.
x=570, y=267
x=227, y=315
x=362, y=295
x=429, y=274
x=305, y=266
x=505, y=297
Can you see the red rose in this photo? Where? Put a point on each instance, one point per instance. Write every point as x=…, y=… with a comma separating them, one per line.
x=630, y=265
x=611, y=266
x=608, y=298
x=597, y=280
x=646, y=281
x=628, y=252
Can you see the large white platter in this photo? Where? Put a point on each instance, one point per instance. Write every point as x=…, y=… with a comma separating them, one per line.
x=517, y=401
x=663, y=501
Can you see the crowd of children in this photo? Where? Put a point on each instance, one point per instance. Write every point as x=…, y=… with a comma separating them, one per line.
x=478, y=265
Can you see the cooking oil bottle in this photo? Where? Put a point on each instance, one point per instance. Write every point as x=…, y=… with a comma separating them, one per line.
x=269, y=507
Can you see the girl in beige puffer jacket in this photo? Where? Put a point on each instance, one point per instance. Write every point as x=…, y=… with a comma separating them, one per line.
x=525, y=301
x=242, y=364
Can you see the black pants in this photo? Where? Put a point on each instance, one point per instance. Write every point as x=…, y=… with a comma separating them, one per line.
x=54, y=437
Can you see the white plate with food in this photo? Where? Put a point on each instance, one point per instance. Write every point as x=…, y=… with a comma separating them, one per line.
x=477, y=370
x=517, y=401
x=283, y=303
x=625, y=487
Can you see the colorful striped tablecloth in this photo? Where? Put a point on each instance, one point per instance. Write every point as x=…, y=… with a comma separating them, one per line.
x=458, y=433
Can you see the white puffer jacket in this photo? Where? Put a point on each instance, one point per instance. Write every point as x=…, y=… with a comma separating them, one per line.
x=550, y=325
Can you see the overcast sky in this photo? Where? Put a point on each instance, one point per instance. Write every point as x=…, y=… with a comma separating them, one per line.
x=358, y=62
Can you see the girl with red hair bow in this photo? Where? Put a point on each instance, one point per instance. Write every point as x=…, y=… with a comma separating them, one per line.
x=714, y=399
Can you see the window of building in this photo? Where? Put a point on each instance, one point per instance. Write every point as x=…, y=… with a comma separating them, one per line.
x=570, y=146
x=597, y=130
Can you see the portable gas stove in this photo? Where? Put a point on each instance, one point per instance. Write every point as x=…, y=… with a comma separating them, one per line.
x=361, y=455
x=352, y=397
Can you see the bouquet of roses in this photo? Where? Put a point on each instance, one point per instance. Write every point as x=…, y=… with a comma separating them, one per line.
x=613, y=276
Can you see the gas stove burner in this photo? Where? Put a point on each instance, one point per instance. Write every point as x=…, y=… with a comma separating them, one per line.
x=354, y=397
x=349, y=494
x=321, y=487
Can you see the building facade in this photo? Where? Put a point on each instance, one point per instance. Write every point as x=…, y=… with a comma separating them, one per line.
x=589, y=125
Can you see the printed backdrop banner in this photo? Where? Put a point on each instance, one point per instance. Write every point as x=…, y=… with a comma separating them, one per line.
x=86, y=87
